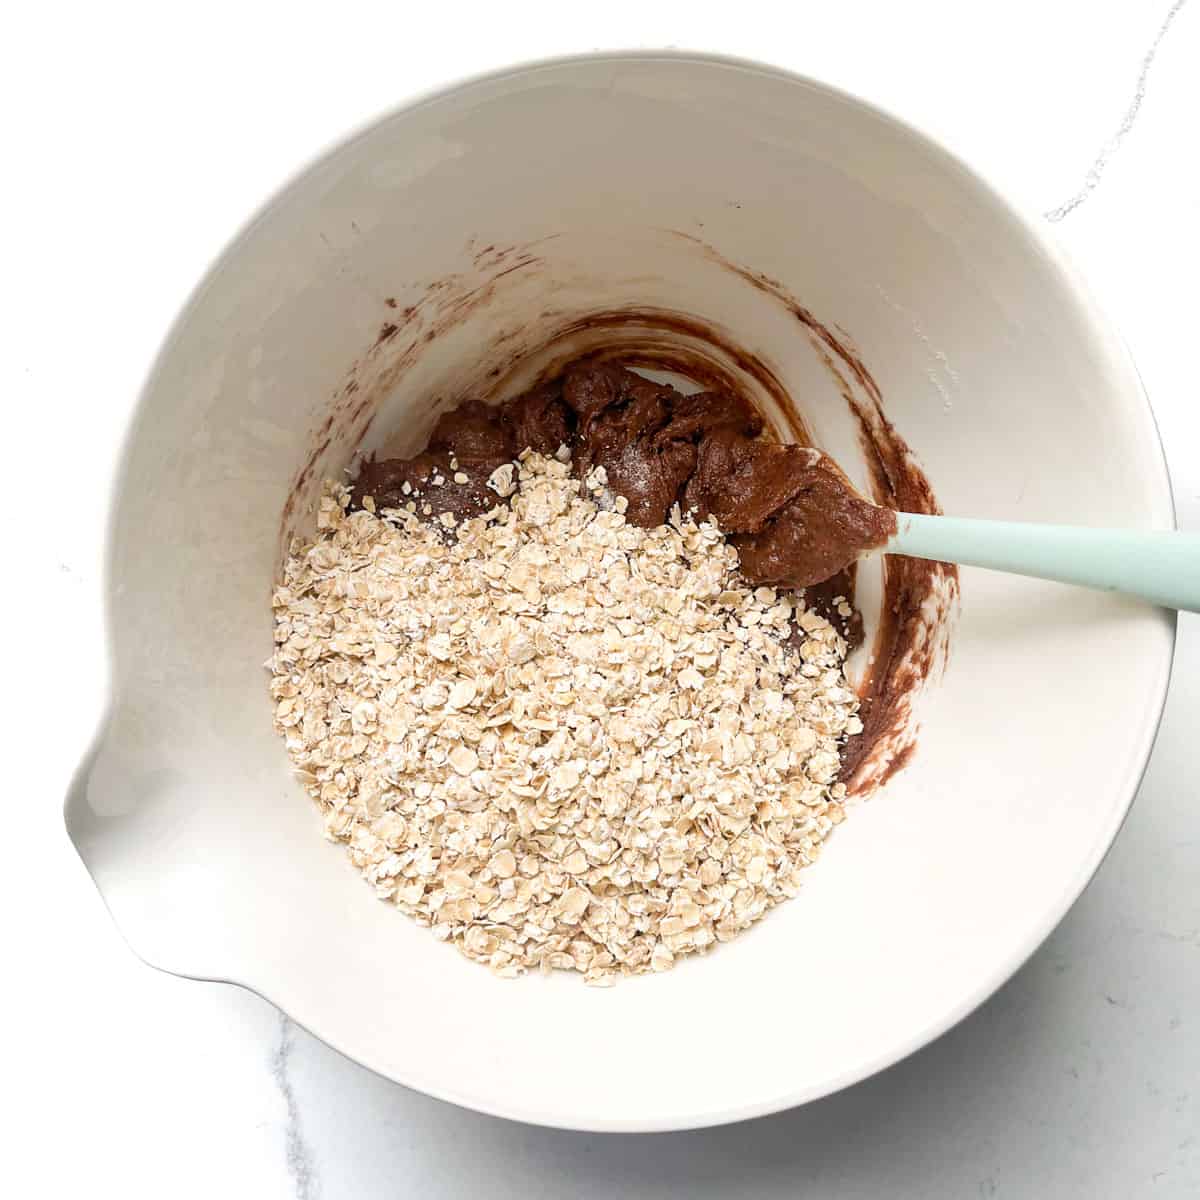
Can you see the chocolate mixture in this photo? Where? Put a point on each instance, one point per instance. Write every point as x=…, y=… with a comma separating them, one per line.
x=794, y=518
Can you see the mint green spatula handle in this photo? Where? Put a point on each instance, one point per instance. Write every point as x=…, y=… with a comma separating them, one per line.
x=1160, y=567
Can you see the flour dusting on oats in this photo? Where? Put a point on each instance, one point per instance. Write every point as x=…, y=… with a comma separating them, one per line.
x=558, y=739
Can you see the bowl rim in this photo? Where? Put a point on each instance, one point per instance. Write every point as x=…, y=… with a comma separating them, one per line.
x=1040, y=239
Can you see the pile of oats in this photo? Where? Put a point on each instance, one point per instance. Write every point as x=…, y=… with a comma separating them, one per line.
x=559, y=740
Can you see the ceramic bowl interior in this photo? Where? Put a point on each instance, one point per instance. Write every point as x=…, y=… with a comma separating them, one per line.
x=430, y=255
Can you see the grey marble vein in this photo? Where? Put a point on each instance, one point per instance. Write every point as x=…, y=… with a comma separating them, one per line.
x=1092, y=178
x=299, y=1157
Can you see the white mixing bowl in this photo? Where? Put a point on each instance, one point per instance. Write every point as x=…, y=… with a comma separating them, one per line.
x=494, y=211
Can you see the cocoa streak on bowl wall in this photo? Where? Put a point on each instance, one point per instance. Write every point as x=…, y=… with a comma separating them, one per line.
x=919, y=596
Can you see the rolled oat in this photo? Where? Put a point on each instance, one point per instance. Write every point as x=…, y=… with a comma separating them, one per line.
x=559, y=740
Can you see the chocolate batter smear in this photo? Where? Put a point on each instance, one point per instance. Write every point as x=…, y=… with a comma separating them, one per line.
x=792, y=515
x=920, y=596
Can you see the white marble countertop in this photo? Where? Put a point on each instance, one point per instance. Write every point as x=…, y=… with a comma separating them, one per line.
x=143, y=136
